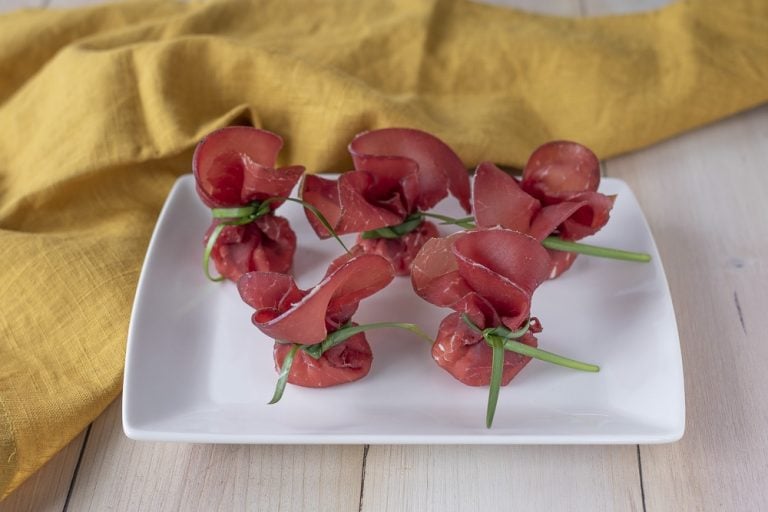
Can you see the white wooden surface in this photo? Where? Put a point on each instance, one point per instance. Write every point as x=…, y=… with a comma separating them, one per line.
x=704, y=196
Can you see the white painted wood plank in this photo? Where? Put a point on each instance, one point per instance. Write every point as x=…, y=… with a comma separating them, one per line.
x=46, y=490
x=530, y=478
x=119, y=474
x=704, y=196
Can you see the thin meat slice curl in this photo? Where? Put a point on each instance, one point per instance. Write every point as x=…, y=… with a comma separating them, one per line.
x=583, y=215
x=560, y=168
x=499, y=200
x=566, y=173
x=488, y=275
x=356, y=202
x=268, y=244
x=463, y=353
x=293, y=316
x=235, y=166
x=446, y=269
x=347, y=362
x=398, y=173
x=400, y=252
x=439, y=168
x=332, y=301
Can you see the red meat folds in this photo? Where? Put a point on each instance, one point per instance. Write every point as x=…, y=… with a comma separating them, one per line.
x=235, y=167
x=556, y=197
x=489, y=275
x=398, y=173
x=306, y=317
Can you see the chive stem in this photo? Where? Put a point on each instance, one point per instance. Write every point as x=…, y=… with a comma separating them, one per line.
x=543, y=355
x=215, y=236
x=207, y=253
x=497, y=370
x=316, y=213
x=233, y=213
x=558, y=244
x=241, y=215
x=465, y=222
x=282, y=378
x=409, y=224
x=501, y=339
x=465, y=318
x=343, y=334
x=415, y=329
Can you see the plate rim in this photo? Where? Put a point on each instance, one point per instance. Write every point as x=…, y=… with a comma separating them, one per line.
x=136, y=432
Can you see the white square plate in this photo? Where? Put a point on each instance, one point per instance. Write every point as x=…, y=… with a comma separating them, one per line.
x=197, y=370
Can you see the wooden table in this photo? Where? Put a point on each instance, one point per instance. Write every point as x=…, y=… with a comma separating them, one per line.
x=704, y=194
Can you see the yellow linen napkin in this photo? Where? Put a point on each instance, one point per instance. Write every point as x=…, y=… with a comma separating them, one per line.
x=100, y=109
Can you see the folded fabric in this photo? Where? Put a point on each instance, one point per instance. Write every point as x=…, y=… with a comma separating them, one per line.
x=101, y=107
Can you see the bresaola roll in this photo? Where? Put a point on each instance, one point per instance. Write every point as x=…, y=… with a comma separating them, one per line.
x=234, y=170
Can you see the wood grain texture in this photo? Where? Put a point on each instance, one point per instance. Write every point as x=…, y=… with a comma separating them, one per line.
x=119, y=474
x=704, y=196
x=47, y=490
x=531, y=478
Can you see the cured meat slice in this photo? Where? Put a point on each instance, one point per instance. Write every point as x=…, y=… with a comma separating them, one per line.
x=343, y=363
x=561, y=261
x=267, y=244
x=269, y=293
x=395, y=185
x=489, y=275
x=398, y=172
x=260, y=183
x=367, y=203
x=354, y=252
x=294, y=316
x=581, y=216
x=463, y=353
x=357, y=201
x=491, y=261
x=323, y=194
x=560, y=167
x=516, y=259
x=400, y=252
x=305, y=321
x=499, y=200
x=439, y=168
x=234, y=166
x=435, y=273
